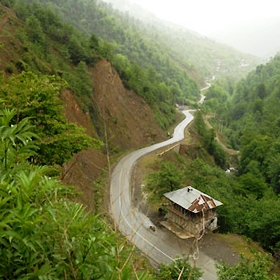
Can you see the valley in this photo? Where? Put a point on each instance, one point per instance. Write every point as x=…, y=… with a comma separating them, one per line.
x=90, y=97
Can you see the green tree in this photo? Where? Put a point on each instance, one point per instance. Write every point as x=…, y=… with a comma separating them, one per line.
x=254, y=147
x=34, y=30
x=274, y=172
x=252, y=185
x=179, y=269
x=94, y=42
x=45, y=235
x=168, y=178
x=258, y=269
x=39, y=98
x=80, y=81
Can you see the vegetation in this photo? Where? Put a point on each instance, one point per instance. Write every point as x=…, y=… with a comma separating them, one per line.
x=50, y=46
x=257, y=269
x=44, y=233
x=250, y=205
x=179, y=269
x=38, y=98
x=250, y=122
x=150, y=41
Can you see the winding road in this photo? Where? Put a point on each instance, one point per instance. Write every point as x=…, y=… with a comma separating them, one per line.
x=156, y=245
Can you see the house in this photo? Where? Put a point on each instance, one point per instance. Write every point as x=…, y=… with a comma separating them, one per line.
x=191, y=212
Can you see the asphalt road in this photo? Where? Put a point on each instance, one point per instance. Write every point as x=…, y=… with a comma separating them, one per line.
x=156, y=245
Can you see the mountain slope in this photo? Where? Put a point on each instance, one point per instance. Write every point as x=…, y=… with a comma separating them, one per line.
x=153, y=42
x=186, y=46
x=114, y=114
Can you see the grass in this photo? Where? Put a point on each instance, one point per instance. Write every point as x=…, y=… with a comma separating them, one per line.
x=246, y=247
x=242, y=245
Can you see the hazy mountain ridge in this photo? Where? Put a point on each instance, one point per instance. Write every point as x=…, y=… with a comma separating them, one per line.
x=154, y=40
x=202, y=52
x=260, y=37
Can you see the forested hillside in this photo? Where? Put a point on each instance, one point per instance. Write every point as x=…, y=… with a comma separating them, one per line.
x=140, y=74
x=169, y=49
x=189, y=48
x=249, y=118
x=50, y=46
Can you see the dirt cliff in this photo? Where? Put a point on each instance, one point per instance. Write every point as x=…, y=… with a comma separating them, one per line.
x=118, y=117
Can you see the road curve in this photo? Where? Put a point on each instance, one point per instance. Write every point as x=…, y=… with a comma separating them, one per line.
x=133, y=224
x=202, y=96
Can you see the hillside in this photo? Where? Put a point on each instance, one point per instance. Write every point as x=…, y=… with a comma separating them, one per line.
x=142, y=38
x=117, y=116
x=249, y=120
x=200, y=53
x=122, y=119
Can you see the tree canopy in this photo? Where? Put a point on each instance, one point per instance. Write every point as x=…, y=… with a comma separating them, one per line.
x=38, y=98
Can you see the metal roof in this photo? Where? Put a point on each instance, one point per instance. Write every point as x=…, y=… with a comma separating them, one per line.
x=192, y=199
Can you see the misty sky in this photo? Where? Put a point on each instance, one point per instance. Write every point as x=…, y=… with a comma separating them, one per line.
x=205, y=16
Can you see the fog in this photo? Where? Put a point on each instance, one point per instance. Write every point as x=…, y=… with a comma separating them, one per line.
x=207, y=16
x=250, y=26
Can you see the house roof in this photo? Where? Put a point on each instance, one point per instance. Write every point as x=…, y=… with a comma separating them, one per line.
x=192, y=199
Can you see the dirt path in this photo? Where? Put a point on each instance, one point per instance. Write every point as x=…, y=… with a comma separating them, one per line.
x=219, y=139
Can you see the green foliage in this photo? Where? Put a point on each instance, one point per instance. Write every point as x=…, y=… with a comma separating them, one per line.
x=44, y=235
x=51, y=45
x=250, y=184
x=179, y=269
x=219, y=154
x=253, y=124
x=258, y=269
x=121, y=35
x=16, y=141
x=254, y=147
x=31, y=95
x=274, y=171
x=168, y=178
x=208, y=141
x=249, y=208
x=148, y=42
x=216, y=98
x=8, y=3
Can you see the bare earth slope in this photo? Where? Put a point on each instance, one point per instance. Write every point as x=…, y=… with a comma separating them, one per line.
x=121, y=117
x=129, y=120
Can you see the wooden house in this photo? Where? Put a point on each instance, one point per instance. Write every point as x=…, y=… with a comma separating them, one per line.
x=191, y=213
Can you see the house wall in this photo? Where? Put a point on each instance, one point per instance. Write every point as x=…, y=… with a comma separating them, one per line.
x=191, y=222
